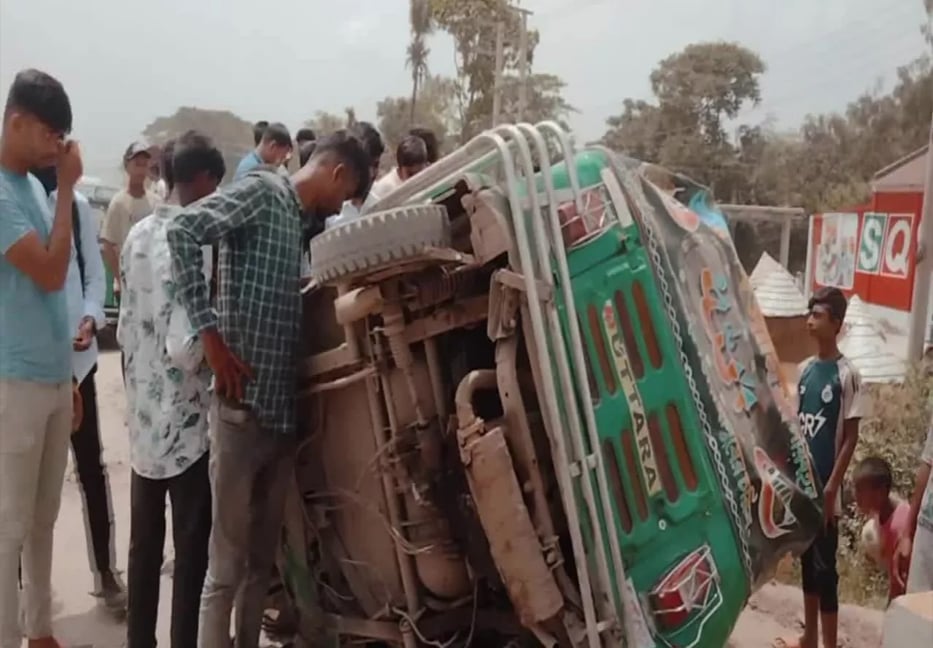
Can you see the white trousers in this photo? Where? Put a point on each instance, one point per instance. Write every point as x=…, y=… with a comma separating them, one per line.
x=35, y=427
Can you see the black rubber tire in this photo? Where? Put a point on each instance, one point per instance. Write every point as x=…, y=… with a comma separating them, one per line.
x=377, y=240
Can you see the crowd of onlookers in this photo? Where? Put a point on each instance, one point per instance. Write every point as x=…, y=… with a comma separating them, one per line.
x=208, y=282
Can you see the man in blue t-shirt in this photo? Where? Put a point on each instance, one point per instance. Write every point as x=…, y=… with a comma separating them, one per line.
x=273, y=149
x=36, y=385
x=831, y=404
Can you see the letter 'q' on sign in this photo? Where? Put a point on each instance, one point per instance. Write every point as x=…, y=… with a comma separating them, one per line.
x=895, y=259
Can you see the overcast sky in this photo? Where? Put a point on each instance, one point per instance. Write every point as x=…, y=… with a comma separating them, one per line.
x=125, y=62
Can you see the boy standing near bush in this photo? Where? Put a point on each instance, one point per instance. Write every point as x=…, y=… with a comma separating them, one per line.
x=873, y=481
x=831, y=404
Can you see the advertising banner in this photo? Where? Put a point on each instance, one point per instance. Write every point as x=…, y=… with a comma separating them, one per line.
x=868, y=253
x=835, y=255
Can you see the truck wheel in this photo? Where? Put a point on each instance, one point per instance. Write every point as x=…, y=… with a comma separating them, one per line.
x=377, y=240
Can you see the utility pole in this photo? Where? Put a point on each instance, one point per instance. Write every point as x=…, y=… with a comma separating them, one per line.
x=523, y=63
x=523, y=66
x=497, y=83
x=919, y=312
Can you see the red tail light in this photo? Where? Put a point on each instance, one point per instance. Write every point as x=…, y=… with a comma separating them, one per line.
x=691, y=587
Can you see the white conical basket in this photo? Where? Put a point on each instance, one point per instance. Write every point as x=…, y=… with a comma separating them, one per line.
x=864, y=345
x=858, y=311
x=778, y=295
x=765, y=266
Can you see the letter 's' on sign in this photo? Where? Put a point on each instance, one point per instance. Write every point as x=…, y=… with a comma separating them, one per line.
x=885, y=243
x=869, y=249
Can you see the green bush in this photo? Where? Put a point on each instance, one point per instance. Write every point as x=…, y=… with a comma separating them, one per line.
x=897, y=425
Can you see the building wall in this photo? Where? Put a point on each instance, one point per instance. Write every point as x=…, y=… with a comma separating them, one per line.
x=877, y=260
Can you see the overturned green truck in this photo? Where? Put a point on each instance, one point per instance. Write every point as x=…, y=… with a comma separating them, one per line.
x=539, y=407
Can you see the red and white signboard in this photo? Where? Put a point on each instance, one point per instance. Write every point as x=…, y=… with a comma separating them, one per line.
x=868, y=253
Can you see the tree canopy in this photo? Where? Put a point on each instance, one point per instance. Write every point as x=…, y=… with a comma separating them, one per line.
x=693, y=123
x=697, y=91
x=825, y=164
x=325, y=123
x=472, y=24
x=436, y=109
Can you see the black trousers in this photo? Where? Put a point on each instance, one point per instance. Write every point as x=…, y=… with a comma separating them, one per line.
x=95, y=485
x=818, y=569
x=190, y=494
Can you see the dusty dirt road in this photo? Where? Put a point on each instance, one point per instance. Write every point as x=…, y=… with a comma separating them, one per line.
x=775, y=611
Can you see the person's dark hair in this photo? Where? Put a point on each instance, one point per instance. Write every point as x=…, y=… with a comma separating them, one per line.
x=259, y=128
x=833, y=299
x=371, y=140
x=412, y=151
x=352, y=153
x=874, y=471
x=195, y=153
x=42, y=96
x=305, y=151
x=168, y=168
x=305, y=135
x=278, y=134
x=430, y=141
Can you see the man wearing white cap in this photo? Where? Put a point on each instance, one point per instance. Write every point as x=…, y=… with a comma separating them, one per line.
x=127, y=207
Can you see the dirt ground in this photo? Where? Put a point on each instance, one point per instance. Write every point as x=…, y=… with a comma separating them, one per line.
x=775, y=611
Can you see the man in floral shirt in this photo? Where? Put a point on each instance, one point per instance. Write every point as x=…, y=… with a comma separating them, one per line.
x=167, y=393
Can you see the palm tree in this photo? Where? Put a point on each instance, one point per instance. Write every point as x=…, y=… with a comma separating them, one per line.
x=421, y=27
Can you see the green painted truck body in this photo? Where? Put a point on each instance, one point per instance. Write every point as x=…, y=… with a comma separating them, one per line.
x=669, y=500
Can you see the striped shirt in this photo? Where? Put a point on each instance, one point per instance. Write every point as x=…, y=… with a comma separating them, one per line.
x=257, y=223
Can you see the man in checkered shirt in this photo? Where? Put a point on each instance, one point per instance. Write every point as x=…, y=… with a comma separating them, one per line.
x=251, y=344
